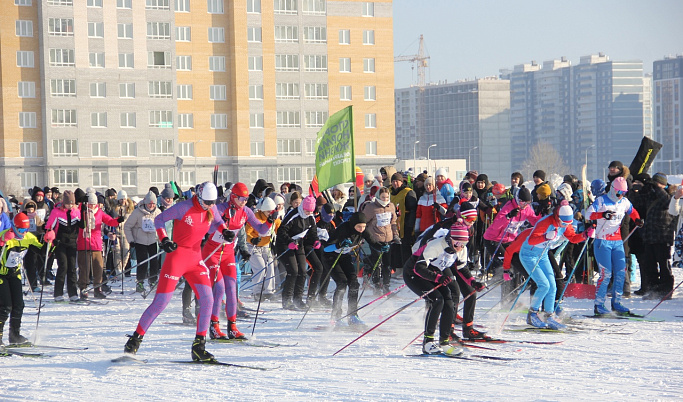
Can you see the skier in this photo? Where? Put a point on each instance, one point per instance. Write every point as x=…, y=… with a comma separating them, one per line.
x=15, y=242
x=261, y=260
x=609, y=210
x=219, y=253
x=546, y=234
x=62, y=229
x=192, y=219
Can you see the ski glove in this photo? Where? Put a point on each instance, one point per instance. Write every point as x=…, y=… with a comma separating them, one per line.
x=609, y=215
x=120, y=219
x=443, y=279
x=255, y=241
x=385, y=248
x=317, y=244
x=168, y=246
x=273, y=215
x=245, y=254
x=346, y=243
x=9, y=235
x=640, y=222
x=512, y=213
x=228, y=235
x=589, y=232
x=550, y=235
x=49, y=236
x=293, y=246
x=478, y=286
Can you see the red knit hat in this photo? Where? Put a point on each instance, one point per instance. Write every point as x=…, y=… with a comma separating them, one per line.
x=459, y=233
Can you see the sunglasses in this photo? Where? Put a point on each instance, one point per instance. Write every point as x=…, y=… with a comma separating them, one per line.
x=242, y=199
x=620, y=193
x=470, y=219
x=22, y=230
x=208, y=202
x=458, y=244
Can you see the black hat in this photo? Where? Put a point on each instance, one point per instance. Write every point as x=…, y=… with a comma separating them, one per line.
x=524, y=194
x=482, y=177
x=540, y=174
x=110, y=192
x=356, y=218
x=642, y=177
x=660, y=178
x=55, y=190
x=155, y=190
x=80, y=196
x=568, y=179
x=616, y=164
x=466, y=186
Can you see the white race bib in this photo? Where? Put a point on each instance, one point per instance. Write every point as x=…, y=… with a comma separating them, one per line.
x=15, y=258
x=32, y=225
x=323, y=235
x=383, y=219
x=41, y=213
x=218, y=238
x=148, y=225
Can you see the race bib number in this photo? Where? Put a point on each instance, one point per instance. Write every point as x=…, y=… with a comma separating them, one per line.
x=444, y=261
x=148, y=225
x=15, y=258
x=32, y=224
x=300, y=235
x=218, y=238
x=41, y=213
x=514, y=227
x=383, y=219
x=323, y=235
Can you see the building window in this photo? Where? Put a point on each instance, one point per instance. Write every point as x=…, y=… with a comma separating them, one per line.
x=254, y=34
x=254, y=6
x=185, y=121
x=129, y=178
x=216, y=35
x=23, y=3
x=256, y=92
x=60, y=2
x=315, y=91
x=219, y=149
x=161, y=147
x=184, y=92
x=219, y=121
x=100, y=178
x=371, y=148
x=289, y=174
x=368, y=65
x=344, y=37
x=286, y=33
x=289, y=147
x=287, y=90
x=98, y=89
x=24, y=28
x=315, y=62
x=368, y=9
x=216, y=63
x=257, y=148
x=27, y=119
x=126, y=60
x=60, y=88
x=183, y=63
x=161, y=176
x=161, y=118
x=218, y=92
x=127, y=90
x=183, y=34
x=26, y=89
x=96, y=29
x=345, y=65
x=370, y=93
x=285, y=6
x=315, y=119
x=98, y=119
x=96, y=60
x=286, y=62
x=65, y=177
x=182, y=6
x=100, y=150
x=28, y=149
x=215, y=6
x=128, y=120
x=60, y=27
x=158, y=30
x=310, y=147
x=313, y=7
x=94, y=3
x=345, y=92
x=64, y=117
x=129, y=149
x=125, y=31
x=158, y=59
x=187, y=178
x=157, y=5
x=288, y=119
x=255, y=63
x=160, y=89
x=256, y=174
x=25, y=58
x=370, y=120
x=256, y=120
x=65, y=147
x=369, y=37
x=315, y=34
x=61, y=57
x=125, y=4
x=186, y=149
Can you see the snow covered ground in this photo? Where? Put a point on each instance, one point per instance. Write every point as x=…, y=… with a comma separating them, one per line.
x=610, y=360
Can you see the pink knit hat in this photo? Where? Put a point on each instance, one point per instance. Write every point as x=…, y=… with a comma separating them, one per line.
x=308, y=204
x=460, y=233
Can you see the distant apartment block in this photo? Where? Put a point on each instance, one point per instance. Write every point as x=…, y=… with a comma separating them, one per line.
x=668, y=109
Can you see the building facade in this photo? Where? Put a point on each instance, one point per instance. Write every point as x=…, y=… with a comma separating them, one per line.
x=463, y=120
x=131, y=94
x=667, y=80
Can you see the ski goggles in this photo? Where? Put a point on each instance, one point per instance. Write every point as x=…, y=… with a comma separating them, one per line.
x=620, y=193
x=458, y=244
x=470, y=219
x=21, y=230
x=242, y=199
x=208, y=202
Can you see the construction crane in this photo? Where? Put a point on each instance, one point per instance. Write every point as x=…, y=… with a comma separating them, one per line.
x=420, y=59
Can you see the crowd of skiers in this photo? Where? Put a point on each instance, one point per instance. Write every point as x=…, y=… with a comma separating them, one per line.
x=448, y=241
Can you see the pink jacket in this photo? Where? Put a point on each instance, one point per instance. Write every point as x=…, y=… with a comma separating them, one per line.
x=500, y=222
x=94, y=223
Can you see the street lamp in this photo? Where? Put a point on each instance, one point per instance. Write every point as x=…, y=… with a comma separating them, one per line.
x=428, y=166
x=414, y=168
x=469, y=158
x=592, y=146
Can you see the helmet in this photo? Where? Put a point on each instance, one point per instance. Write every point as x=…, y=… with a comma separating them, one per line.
x=565, y=190
x=240, y=190
x=498, y=189
x=308, y=204
x=206, y=194
x=267, y=205
x=21, y=221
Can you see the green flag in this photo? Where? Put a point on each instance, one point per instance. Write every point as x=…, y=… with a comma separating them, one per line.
x=334, y=158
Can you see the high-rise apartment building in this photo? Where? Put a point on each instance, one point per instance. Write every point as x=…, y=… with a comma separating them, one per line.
x=668, y=110
x=464, y=120
x=132, y=94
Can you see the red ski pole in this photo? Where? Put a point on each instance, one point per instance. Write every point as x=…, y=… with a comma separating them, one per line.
x=664, y=298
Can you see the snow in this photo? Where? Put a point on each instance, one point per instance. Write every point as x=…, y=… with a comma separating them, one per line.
x=595, y=364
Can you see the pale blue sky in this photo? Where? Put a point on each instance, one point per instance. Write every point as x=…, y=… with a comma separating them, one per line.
x=468, y=39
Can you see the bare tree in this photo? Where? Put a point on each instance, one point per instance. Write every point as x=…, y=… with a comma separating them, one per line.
x=543, y=156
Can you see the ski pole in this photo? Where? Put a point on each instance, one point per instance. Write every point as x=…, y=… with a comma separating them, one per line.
x=664, y=298
x=365, y=283
x=629, y=234
x=495, y=285
x=369, y=303
x=258, y=307
x=129, y=269
x=497, y=247
x=388, y=318
x=525, y=284
x=501, y=299
x=265, y=279
x=42, y=286
x=571, y=275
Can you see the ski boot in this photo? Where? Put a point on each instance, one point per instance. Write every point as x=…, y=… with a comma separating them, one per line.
x=199, y=353
x=468, y=332
x=534, y=320
x=453, y=337
x=215, y=331
x=84, y=295
x=2, y=326
x=300, y=304
x=74, y=298
x=324, y=301
x=133, y=343
x=619, y=308
x=99, y=294
x=188, y=318
x=59, y=299
x=106, y=289
x=450, y=349
x=600, y=309
x=140, y=287
x=234, y=333
x=15, y=338
x=354, y=320
x=553, y=324
x=430, y=346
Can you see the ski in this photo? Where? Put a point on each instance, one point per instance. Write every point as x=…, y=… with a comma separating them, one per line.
x=632, y=317
x=463, y=344
x=255, y=343
x=32, y=345
x=545, y=330
x=128, y=359
x=7, y=353
x=463, y=357
x=219, y=363
x=494, y=340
